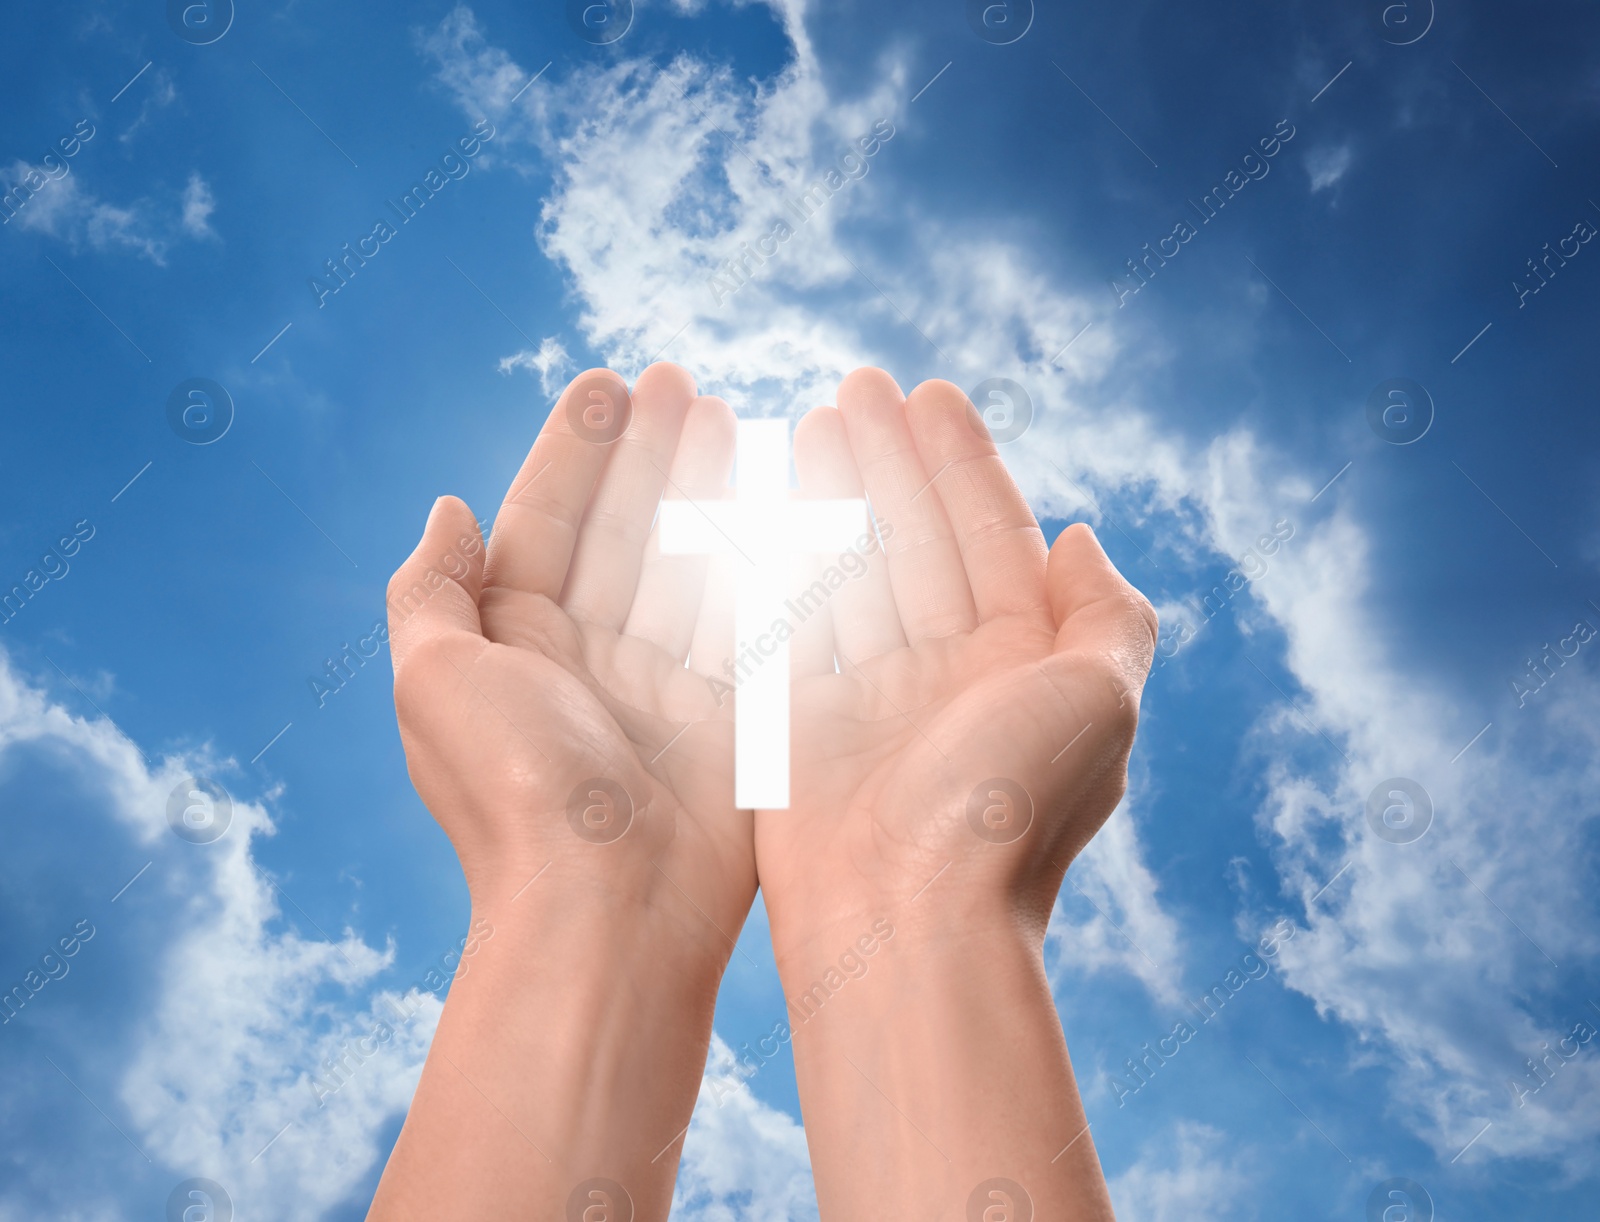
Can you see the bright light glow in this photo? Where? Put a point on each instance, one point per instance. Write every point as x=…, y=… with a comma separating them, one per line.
x=764, y=529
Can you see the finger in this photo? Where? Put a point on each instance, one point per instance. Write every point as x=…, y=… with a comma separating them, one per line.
x=610, y=549
x=666, y=604
x=865, y=620
x=925, y=568
x=811, y=647
x=436, y=590
x=711, y=652
x=537, y=525
x=1002, y=547
x=1098, y=614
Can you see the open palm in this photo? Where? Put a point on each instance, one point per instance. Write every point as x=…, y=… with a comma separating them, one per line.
x=548, y=718
x=976, y=731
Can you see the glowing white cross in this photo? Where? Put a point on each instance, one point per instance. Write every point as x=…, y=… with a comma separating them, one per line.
x=765, y=529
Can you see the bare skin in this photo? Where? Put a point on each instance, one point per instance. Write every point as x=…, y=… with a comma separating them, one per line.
x=967, y=655
x=572, y=1048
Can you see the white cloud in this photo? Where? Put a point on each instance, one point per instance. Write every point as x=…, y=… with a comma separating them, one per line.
x=1188, y=1176
x=1127, y=929
x=67, y=210
x=243, y=1015
x=1428, y=971
x=550, y=363
x=742, y=1160
x=1326, y=166
x=198, y=205
x=64, y=209
x=247, y=1013
x=155, y=92
x=649, y=196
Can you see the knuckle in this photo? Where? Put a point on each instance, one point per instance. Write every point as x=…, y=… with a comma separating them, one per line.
x=426, y=667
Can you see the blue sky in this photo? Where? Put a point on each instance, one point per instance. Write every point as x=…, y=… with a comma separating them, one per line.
x=1389, y=236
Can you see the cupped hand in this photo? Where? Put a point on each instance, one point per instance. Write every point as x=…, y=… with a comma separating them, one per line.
x=548, y=718
x=963, y=708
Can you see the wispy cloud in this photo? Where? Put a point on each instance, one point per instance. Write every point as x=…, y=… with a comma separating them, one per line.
x=1191, y=1175
x=1326, y=166
x=549, y=363
x=198, y=205
x=656, y=169
x=198, y=929
x=67, y=210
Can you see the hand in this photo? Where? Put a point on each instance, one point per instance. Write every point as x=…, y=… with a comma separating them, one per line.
x=584, y=777
x=974, y=737
x=977, y=731
x=537, y=694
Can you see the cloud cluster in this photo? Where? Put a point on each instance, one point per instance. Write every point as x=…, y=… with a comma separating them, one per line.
x=1449, y=961
x=658, y=170
x=69, y=211
x=549, y=363
x=240, y=1022
x=658, y=173
x=742, y=1160
x=1188, y=1175
x=235, y=1008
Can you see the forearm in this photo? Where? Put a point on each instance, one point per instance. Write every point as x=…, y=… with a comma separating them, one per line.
x=942, y=1068
x=570, y=1050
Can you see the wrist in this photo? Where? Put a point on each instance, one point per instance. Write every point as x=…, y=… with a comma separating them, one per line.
x=867, y=979
x=946, y=1059
x=568, y=921
x=931, y=932
x=571, y=1043
x=650, y=885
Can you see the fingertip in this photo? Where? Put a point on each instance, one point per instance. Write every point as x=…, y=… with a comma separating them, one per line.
x=453, y=539
x=1080, y=535
x=712, y=413
x=867, y=387
x=450, y=512
x=706, y=446
x=1081, y=573
x=817, y=425
x=451, y=547
x=599, y=371
x=937, y=391
x=666, y=378
x=822, y=455
x=941, y=411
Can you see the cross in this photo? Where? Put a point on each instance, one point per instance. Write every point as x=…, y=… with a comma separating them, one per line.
x=765, y=529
